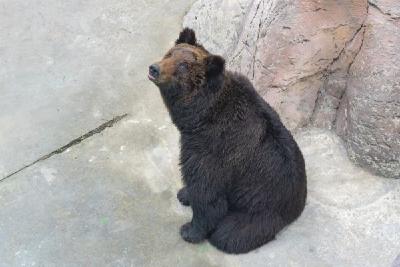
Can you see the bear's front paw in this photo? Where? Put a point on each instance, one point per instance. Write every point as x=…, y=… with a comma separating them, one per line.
x=191, y=234
x=183, y=197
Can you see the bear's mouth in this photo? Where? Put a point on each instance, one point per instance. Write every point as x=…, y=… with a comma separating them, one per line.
x=151, y=78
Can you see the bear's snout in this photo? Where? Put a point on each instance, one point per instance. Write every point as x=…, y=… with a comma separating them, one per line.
x=154, y=72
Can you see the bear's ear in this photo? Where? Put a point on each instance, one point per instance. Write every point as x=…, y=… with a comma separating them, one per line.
x=215, y=65
x=187, y=36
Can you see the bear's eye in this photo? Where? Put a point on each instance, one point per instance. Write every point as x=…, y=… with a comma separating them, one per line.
x=182, y=67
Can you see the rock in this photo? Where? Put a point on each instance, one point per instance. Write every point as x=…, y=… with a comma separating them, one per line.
x=387, y=7
x=334, y=86
x=317, y=64
x=218, y=23
x=369, y=115
x=284, y=47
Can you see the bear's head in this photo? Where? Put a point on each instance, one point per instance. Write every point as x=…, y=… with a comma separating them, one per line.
x=187, y=69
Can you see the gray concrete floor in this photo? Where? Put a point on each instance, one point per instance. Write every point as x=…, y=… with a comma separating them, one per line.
x=68, y=67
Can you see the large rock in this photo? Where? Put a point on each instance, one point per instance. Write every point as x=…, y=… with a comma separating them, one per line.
x=369, y=114
x=285, y=47
x=317, y=63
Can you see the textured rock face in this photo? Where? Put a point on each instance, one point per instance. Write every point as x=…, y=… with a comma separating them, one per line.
x=387, y=7
x=369, y=114
x=284, y=47
x=335, y=84
x=218, y=23
x=329, y=64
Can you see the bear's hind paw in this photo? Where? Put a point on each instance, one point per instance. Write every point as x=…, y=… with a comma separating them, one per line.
x=191, y=234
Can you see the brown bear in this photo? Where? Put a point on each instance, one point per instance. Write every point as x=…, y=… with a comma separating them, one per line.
x=243, y=173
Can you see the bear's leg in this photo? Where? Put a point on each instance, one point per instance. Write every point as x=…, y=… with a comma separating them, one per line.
x=183, y=196
x=206, y=216
x=241, y=232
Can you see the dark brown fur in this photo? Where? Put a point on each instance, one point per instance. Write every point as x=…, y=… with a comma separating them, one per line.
x=243, y=172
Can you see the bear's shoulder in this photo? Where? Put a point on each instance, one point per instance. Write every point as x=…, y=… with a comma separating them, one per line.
x=241, y=87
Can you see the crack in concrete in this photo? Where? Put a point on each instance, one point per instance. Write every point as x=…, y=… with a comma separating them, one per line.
x=74, y=142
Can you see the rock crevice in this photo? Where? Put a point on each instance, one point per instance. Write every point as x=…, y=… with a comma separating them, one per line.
x=386, y=7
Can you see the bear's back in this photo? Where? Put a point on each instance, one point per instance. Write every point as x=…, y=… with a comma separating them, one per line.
x=266, y=157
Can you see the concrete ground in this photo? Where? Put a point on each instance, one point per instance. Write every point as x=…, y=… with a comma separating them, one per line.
x=88, y=162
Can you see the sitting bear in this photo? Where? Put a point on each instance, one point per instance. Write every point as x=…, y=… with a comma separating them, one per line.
x=243, y=173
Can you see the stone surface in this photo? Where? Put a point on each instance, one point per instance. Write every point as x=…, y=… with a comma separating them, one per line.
x=369, y=114
x=335, y=84
x=285, y=47
x=387, y=7
x=218, y=24
x=69, y=66
x=110, y=200
x=396, y=263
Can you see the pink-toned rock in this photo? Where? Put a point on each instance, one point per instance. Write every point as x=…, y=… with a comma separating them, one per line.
x=329, y=64
x=285, y=47
x=335, y=84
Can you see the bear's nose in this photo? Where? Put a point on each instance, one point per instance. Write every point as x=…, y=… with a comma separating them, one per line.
x=154, y=71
